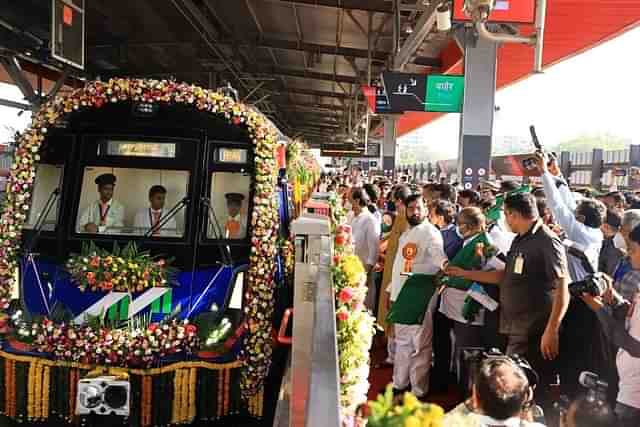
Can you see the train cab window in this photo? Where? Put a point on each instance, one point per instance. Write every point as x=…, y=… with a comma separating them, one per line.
x=127, y=201
x=47, y=183
x=229, y=205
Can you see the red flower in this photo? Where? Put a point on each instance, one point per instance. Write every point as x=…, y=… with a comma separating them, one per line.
x=345, y=295
x=340, y=240
x=107, y=286
x=343, y=316
x=191, y=329
x=95, y=261
x=152, y=327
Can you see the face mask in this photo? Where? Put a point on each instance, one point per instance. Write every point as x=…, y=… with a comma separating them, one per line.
x=414, y=220
x=618, y=242
x=504, y=224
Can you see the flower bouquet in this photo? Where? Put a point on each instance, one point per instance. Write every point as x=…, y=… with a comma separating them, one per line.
x=411, y=413
x=123, y=270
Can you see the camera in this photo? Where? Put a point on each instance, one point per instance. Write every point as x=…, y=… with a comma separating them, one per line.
x=104, y=395
x=471, y=358
x=597, y=388
x=594, y=284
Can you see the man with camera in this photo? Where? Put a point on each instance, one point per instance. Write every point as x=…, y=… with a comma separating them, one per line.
x=502, y=395
x=620, y=320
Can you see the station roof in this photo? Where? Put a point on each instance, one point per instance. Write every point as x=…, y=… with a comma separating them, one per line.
x=301, y=62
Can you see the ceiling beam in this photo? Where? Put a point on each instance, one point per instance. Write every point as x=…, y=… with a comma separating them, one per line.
x=412, y=43
x=305, y=74
x=382, y=6
x=302, y=91
x=327, y=50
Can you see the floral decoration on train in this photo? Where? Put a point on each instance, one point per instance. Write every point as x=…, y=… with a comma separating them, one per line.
x=383, y=412
x=120, y=270
x=96, y=94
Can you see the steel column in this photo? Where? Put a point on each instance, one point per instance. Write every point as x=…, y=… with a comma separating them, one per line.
x=474, y=153
x=389, y=144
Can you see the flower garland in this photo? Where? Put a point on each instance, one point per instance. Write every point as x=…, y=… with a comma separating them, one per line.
x=114, y=347
x=259, y=295
x=355, y=327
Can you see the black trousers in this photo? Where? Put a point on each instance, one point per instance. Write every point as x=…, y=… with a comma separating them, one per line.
x=441, y=372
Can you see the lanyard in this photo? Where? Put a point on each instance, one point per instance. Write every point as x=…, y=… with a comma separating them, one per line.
x=151, y=222
x=103, y=215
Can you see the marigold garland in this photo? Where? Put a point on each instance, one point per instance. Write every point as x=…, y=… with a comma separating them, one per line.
x=46, y=391
x=259, y=294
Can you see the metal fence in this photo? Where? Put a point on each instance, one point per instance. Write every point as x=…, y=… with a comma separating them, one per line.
x=598, y=169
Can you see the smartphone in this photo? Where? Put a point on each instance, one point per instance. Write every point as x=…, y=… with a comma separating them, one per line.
x=529, y=164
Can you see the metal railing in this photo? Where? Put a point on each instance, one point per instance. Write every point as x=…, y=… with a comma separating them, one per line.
x=598, y=169
x=310, y=392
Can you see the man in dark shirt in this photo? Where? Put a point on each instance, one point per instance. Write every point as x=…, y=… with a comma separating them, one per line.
x=534, y=293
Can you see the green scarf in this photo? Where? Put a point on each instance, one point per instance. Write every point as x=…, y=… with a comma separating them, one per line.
x=493, y=213
x=467, y=259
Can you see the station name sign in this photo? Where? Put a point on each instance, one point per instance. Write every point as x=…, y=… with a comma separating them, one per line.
x=402, y=92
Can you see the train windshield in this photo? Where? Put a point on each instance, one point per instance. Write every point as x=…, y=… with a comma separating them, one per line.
x=129, y=201
x=47, y=182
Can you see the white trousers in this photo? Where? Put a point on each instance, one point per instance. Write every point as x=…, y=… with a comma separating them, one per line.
x=413, y=353
x=391, y=349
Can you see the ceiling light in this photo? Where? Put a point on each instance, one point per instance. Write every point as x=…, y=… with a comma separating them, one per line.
x=407, y=28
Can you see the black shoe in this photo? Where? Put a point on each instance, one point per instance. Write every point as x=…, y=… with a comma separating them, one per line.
x=400, y=392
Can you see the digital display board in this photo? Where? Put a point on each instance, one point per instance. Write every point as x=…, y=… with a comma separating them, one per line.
x=232, y=155
x=164, y=150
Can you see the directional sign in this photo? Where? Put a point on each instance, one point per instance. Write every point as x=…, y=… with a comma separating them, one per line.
x=405, y=92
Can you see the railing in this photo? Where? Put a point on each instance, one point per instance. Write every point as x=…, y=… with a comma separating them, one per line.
x=597, y=168
x=310, y=392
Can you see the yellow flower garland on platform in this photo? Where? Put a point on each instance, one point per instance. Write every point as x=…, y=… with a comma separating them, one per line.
x=259, y=293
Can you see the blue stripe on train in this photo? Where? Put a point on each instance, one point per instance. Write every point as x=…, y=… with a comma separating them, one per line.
x=76, y=301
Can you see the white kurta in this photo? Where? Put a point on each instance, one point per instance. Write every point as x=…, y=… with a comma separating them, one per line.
x=414, y=343
x=143, y=219
x=366, y=237
x=429, y=257
x=93, y=214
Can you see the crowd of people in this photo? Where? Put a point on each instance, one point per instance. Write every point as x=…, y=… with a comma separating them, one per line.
x=547, y=276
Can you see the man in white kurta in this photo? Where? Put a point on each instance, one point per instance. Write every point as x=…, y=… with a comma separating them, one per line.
x=149, y=218
x=420, y=250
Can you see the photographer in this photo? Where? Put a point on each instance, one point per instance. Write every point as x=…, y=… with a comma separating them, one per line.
x=621, y=324
x=501, y=396
x=581, y=225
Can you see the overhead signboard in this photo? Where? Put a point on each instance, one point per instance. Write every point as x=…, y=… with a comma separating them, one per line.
x=504, y=11
x=418, y=92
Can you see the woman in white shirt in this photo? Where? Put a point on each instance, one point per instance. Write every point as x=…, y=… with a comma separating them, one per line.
x=365, y=230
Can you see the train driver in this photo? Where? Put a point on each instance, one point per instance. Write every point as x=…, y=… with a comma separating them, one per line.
x=150, y=217
x=235, y=224
x=104, y=213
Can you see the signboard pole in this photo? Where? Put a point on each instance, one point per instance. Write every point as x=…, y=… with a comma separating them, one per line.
x=389, y=145
x=478, y=108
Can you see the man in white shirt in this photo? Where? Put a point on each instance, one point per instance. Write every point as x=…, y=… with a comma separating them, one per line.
x=105, y=214
x=581, y=222
x=420, y=250
x=365, y=231
x=149, y=218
